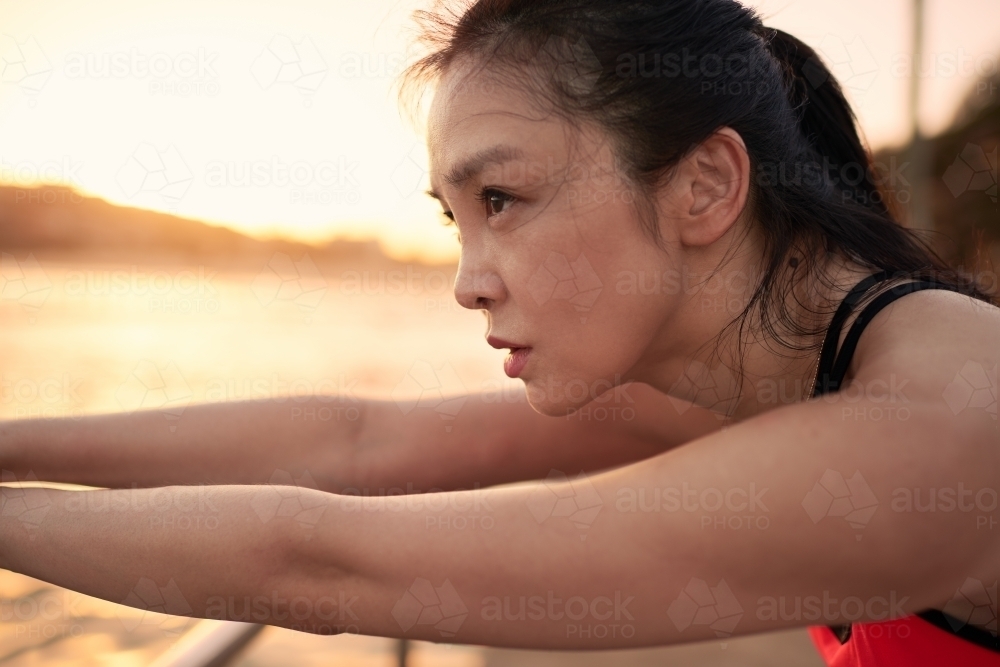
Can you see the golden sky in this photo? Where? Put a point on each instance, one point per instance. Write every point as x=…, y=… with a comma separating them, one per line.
x=277, y=118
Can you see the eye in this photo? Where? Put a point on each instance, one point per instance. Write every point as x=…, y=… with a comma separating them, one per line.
x=494, y=200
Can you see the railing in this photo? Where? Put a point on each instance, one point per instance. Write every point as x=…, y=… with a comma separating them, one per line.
x=215, y=643
x=208, y=644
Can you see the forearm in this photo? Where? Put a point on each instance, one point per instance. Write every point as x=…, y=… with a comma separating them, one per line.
x=500, y=439
x=222, y=443
x=348, y=445
x=248, y=442
x=355, y=566
x=350, y=568
x=196, y=542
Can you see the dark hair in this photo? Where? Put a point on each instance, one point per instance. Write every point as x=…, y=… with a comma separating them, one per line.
x=660, y=77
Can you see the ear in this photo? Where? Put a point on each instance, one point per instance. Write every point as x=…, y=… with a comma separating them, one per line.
x=709, y=188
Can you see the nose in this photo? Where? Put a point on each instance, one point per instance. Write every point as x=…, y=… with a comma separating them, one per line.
x=476, y=285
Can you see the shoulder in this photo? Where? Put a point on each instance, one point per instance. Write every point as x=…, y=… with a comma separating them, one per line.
x=930, y=338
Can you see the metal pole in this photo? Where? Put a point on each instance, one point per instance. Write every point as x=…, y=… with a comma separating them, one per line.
x=402, y=649
x=919, y=153
x=208, y=644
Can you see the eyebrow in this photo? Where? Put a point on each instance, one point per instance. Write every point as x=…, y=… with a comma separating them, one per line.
x=473, y=165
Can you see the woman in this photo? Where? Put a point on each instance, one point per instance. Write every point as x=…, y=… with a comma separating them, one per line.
x=661, y=194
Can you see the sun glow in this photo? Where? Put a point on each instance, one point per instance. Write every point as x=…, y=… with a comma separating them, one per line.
x=279, y=119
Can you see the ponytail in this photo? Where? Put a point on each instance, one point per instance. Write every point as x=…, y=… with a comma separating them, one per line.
x=825, y=117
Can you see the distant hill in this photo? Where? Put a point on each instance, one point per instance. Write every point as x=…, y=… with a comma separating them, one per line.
x=57, y=221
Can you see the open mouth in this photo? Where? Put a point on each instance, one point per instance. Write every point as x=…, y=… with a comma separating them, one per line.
x=516, y=359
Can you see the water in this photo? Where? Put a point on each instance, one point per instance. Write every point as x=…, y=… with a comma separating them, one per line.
x=223, y=337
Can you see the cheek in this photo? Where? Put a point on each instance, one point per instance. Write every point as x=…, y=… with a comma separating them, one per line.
x=567, y=258
x=604, y=341
x=586, y=327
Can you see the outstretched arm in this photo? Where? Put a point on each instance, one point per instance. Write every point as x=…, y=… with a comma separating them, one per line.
x=723, y=536
x=348, y=443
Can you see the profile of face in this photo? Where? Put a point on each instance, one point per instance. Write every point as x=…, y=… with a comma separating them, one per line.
x=552, y=241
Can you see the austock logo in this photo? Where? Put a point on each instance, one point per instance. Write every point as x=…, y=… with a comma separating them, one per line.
x=851, y=63
x=322, y=615
x=574, y=281
x=411, y=171
x=583, y=617
x=573, y=64
x=181, y=74
x=151, y=172
x=974, y=170
x=28, y=505
x=24, y=64
x=428, y=387
x=831, y=609
x=735, y=508
x=973, y=604
x=426, y=604
x=283, y=496
x=49, y=614
x=152, y=387
x=558, y=496
x=852, y=499
x=298, y=282
x=307, y=182
x=711, y=388
x=376, y=65
x=298, y=64
x=701, y=604
x=974, y=386
x=160, y=606
x=24, y=282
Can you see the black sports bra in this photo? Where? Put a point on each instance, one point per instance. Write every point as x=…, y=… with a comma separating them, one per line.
x=830, y=375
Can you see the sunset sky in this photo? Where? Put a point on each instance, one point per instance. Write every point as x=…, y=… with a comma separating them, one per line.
x=165, y=104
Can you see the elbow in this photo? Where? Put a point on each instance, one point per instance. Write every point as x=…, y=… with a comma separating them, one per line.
x=307, y=585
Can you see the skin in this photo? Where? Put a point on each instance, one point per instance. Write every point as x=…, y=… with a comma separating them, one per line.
x=350, y=564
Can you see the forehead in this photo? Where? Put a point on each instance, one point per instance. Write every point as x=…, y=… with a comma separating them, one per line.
x=474, y=111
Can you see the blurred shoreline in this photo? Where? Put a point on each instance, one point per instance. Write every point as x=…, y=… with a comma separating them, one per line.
x=60, y=224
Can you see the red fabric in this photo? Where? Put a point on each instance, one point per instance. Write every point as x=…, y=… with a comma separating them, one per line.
x=905, y=642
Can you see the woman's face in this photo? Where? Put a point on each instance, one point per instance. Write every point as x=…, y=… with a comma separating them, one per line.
x=551, y=244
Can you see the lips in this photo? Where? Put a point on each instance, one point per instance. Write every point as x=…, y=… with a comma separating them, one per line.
x=500, y=343
x=516, y=360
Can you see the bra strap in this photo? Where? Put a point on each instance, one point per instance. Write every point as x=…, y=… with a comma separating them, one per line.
x=829, y=351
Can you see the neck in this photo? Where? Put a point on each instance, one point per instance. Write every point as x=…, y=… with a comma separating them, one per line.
x=685, y=363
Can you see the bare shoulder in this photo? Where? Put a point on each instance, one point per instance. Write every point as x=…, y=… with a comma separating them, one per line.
x=932, y=339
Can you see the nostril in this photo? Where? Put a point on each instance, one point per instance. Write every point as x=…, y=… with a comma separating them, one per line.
x=476, y=290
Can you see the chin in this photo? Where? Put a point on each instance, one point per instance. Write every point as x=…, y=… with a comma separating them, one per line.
x=550, y=409
x=545, y=399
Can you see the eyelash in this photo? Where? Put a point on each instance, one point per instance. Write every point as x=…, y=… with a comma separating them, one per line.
x=483, y=196
x=487, y=193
